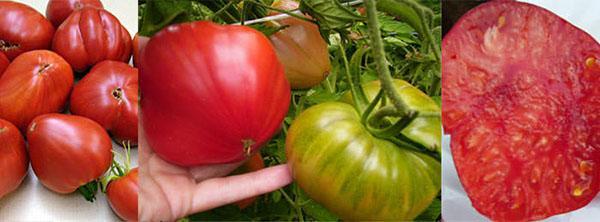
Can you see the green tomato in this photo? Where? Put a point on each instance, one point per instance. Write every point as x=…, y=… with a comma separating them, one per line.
x=355, y=175
x=426, y=131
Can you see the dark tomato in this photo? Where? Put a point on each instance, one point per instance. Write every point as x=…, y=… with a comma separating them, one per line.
x=67, y=151
x=13, y=158
x=22, y=29
x=122, y=195
x=89, y=36
x=211, y=93
x=519, y=92
x=58, y=10
x=35, y=83
x=108, y=94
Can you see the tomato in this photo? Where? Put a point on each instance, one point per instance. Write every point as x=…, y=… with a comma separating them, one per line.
x=425, y=131
x=67, y=151
x=122, y=195
x=211, y=93
x=58, y=10
x=3, y=63
x=355, y=175
x=35, y=83
x=139, y=43
x=22, y=29
x=521, y=97
x=89, y=36
x=108, y=94
x=13, y=158
x=255, y=163
x=301, y=49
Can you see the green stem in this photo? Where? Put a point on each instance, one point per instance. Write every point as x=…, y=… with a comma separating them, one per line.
x=301, y=17
x=354, y=90
x=291, y=202
x=394, y=129
x=229, y=4
x=372, y=105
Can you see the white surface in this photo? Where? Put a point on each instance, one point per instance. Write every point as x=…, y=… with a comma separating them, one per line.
x=456, y=206
x=32, y=201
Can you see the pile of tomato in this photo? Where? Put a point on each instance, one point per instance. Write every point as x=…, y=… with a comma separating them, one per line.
x=65, y=90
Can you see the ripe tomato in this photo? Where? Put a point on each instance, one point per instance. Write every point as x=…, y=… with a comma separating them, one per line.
x=211, y=93
x=58, y=10
x=255, y=163
x=521, y=100
x=67, y=151
x=139, y=42
x=122, y=195
x=35, y=83
x=13, y=158
x=355, y=175
x=22, y=29
x=3, y=63
x=89, y=36
x=301, y=49
x=108, y=94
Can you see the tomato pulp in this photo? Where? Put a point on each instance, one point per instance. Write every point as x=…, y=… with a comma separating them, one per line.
x=13, y=159
x=22, y=29
x=211, y=93
x=520, y=99
x=58, y=10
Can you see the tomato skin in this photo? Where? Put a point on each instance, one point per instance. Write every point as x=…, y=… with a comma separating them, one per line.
x=108, y=94
x=32, y=32
x=301, y=49
x=3, y=63
x=67, y=151
x=89, y=36
x=35, y=83
x=139, y=43
x=122, y=195
x=13, y=158
x=200, y=104
x=58, y=10
x=255, y=163
x=339, y=164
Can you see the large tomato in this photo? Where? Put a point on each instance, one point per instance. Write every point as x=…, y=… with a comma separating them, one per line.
x=139, y=43
x=122, y=195
x=210, y=93
x=22, y=29
x=3, y=63
x=58, y=10
x=67, y=151
x=521, y=95
x=13, y=158
x=426, y=131
x=339, y=164
x=108, y=94
x=301, y=49
x=35, y=83
x=89, y=36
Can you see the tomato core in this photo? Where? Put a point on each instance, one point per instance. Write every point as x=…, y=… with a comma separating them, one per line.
x=6, y=46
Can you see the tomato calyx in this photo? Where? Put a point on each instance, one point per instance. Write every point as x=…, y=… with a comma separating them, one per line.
x=88, y=191
x=248, y=143
x=117, y=93
x=6, y=46
x=43, y=68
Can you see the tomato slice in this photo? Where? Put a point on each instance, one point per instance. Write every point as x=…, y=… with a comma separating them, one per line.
x=520, y=88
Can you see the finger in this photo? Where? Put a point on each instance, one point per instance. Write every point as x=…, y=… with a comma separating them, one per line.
x=201, y=173
x=217, y=192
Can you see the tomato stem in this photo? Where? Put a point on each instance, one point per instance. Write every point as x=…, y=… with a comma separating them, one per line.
x=248, y=143
x=371, y=107
x=354, y=89
x=6, y=46
x=394, y=129
x=88, y=191
x=229, y=4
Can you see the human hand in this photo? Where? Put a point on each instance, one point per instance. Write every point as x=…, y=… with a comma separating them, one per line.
x=169, y=192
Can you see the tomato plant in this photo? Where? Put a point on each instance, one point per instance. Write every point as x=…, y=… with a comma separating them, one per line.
x=22, y=29
x=67, y=152
x=58, y=10
x=35, y=83
x=3, y=63
x=89, y=36
x=122, y=195
x=13, y=161
x=108, y=94
x=217, y=100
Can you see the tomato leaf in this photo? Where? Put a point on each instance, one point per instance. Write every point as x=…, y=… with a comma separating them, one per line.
x=330, y=14
x=432, y=212
x=159, y=14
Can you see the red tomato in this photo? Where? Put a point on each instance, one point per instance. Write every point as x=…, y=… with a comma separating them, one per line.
x=35, y=83
x=89, y=36
x=108, y=94
x=211, y=93
x=520, y=99
x=3, y=63
x=58, y=10
x=255, y=163
x=139, y=42
x=301, y=49
x=67, y=151
x=22, y=29
x=13, y=158
x=122, y=195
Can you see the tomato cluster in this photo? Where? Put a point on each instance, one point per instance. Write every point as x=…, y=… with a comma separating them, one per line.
x=37, y=85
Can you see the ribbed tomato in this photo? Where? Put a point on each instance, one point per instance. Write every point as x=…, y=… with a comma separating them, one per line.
x=301, y=49
x=22, y=29
x=211, y=93
x=13, y=158
x=122, y=195
x=108, y=94
x=67, y=151
x=58, y=10
x=139, y=42
x=89, y=36
x=3, y=63
x=35, y=83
